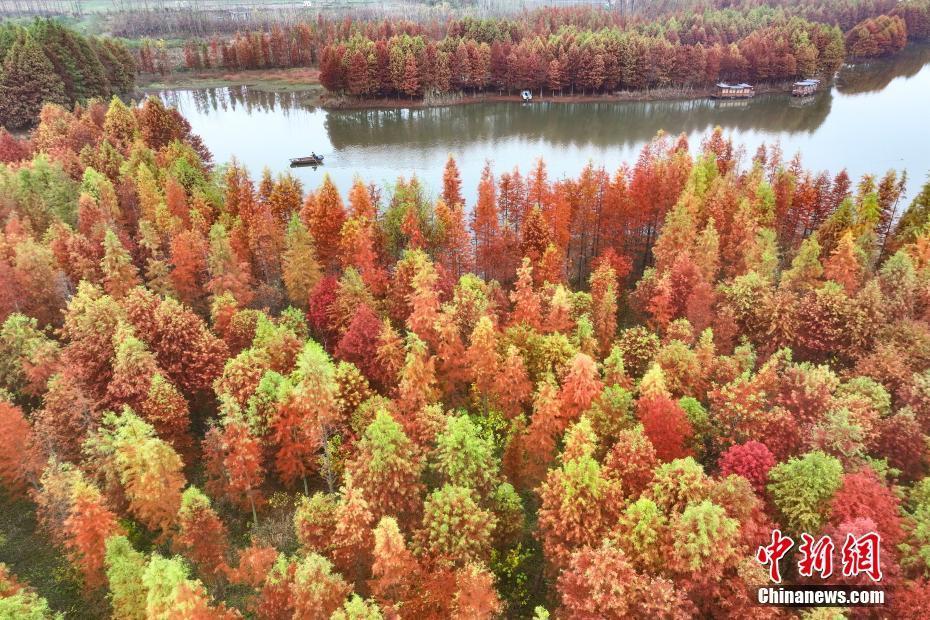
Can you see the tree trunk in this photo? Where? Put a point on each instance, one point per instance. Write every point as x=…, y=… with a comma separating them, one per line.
x=328, y=463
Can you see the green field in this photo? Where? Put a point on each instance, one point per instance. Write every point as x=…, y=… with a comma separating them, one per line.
x=101, y=6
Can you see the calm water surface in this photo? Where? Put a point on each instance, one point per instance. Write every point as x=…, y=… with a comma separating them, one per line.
x=874, y=118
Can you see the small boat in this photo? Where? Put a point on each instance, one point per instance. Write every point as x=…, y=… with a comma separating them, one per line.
x=805, y=88
x=733, y=91
x=310, y=160
x=526, y=95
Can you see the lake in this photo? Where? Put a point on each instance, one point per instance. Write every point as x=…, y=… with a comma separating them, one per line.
x=874, y=118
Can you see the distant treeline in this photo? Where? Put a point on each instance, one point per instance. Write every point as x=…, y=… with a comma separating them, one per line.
x=48, y=63
x=203, y=18
x=579, y=49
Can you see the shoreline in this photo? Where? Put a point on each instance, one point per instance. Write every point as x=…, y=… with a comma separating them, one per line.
x=306, y=80
x=336, y=102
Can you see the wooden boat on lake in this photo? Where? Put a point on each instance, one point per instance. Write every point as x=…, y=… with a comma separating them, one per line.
x=734, y=91
x=311, y=160
x=805, y=88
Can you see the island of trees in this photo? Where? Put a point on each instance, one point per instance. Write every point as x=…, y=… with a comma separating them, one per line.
x=590, y=397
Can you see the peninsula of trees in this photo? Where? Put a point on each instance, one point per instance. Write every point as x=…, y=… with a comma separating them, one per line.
x=571, y=51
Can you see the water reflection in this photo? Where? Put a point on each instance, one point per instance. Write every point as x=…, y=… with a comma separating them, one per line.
x=874, y=76
x=233, y=98
x=569, y=124
x=873, y=120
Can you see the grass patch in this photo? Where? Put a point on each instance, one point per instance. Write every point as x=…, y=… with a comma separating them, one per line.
x=271, y=80
x=32, y=559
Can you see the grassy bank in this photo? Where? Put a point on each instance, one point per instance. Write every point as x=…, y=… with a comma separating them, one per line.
x=270, y=80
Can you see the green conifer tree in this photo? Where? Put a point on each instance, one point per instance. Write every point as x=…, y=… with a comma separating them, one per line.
x=27, y=81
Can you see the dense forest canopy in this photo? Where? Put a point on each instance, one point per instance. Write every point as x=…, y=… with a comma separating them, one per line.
x=584, y=397
x=46, y=62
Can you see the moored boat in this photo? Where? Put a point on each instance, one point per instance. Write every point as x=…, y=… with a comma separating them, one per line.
x=805, y=88
x=734, y=91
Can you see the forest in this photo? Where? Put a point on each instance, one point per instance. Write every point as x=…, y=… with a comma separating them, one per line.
x=49, y=63
x=568, y=50
x=227, y=397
